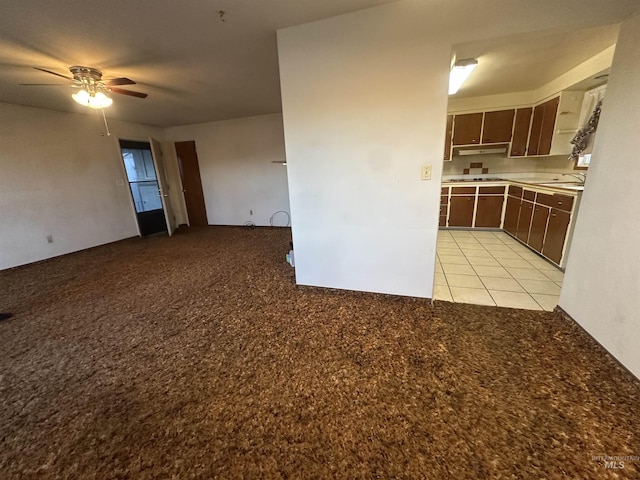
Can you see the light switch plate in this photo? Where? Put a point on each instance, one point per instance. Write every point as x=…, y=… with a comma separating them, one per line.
x=425, y=173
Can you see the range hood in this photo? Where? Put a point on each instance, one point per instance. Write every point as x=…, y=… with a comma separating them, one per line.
x=481, y=150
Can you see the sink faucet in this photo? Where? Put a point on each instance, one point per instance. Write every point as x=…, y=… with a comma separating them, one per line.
x=580, y=176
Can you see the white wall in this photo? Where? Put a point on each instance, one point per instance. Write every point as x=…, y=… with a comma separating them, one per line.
x=601, y=288
x=363, y=109
x=236, y=165
x=58, y=177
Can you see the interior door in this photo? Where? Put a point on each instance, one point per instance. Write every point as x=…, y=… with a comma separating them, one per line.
x=191, y=183
x=163, y=186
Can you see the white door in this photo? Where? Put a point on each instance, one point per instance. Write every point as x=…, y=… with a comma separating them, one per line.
x=156, y=152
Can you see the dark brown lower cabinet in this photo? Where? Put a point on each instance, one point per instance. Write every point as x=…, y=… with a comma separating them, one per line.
x=556, y=234
x=489, y=211
x=524, y=221
x=511, y=214
x=538, y=227
x=443, y=214
x=461, y=211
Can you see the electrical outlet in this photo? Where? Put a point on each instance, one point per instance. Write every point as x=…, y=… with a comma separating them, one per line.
x=250, y=212
x=49, y=238
x=425, y=173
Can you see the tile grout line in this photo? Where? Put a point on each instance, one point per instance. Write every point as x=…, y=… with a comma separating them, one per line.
x=477, y=241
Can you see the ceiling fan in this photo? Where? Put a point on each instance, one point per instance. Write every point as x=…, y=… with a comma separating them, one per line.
x=92, y=86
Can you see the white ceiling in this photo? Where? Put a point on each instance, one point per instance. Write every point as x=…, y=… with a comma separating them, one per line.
x=527, y=62
x=199, y=67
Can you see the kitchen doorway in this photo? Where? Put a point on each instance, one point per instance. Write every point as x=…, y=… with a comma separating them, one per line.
x=191, y=183
x=144, y=185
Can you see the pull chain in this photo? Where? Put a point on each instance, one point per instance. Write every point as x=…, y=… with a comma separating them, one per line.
x=106, y=125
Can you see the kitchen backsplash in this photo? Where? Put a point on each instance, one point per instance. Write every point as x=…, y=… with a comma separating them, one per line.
x=501, y=164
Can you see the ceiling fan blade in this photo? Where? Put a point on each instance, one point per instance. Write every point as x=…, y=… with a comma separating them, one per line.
x=53, y=73
x=45, y=85
x=119, y=81
x=128, y=92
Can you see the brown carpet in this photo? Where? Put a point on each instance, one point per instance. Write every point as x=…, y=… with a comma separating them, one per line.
x=197, y=357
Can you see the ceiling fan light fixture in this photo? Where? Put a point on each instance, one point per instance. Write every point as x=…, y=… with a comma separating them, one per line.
x=97, y=100
x=460, y=72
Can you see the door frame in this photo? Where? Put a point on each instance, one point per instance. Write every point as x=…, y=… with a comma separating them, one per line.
x=163, y=185
x=125, y=178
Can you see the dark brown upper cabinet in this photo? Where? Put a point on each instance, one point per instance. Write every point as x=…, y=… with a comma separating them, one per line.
x=544, y=121
x=447, y=140
x=497, y=126
x=467, y=128
x=521, y=132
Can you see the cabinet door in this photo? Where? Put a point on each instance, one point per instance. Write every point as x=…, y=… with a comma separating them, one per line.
x=447, y=139
x=461, y=211
x=524, y=221
x=489, y=211
x=466, y=128
x=498, y=126
x=521, y=132
x=511, y=214
x=544, y=121
x=444, y=208
x=538, y=227
x=548, y=125
x=556, y=235
x=536, y=128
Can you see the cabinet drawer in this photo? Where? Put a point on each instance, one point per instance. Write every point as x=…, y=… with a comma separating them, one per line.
x=557, y=200
x=463, y=190
x=515, y=191
x=491, y=190
x=444, y=199
x=529, y=195
x=444, y=191
x=443, y=210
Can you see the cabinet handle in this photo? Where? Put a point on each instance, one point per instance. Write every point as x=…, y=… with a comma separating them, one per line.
x=553, y=214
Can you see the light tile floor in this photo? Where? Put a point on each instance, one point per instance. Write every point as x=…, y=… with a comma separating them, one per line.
x=492, y=268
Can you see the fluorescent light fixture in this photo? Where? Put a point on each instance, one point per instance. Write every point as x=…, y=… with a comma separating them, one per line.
x=460, y=72
x=97, y=100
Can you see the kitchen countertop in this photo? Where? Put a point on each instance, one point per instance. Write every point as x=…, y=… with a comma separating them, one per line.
x=543, y=181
